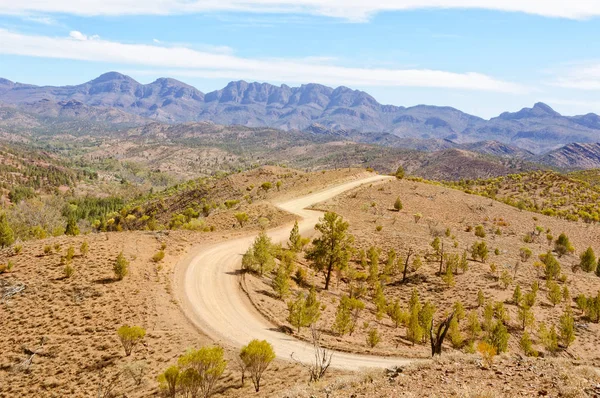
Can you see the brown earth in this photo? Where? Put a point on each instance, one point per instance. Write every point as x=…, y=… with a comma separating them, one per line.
x=441, y=209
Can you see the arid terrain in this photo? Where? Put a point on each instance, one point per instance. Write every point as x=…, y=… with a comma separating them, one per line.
x=70, y=323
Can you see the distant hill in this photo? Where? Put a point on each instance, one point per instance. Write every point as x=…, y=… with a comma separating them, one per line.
x=574, y=156
x=333, y=110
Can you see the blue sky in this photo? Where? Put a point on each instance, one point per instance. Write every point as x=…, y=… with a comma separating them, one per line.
x=481, y=56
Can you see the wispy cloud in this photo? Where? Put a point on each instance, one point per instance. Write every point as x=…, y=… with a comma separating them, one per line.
x=355, y=10
x=582, y=76
x=218, y=65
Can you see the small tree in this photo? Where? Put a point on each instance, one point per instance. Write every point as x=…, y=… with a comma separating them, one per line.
x=554, y=293
x=479, y=250
x=551, y=266
x=297, y=312
x=517, y=296
x=588, y=260
x=480, y=298
x=242, y=218
x=473, y=325
x=257, y=356
x=168, y=381
x=525, y=254
x=130, y=336
x=84, y=249
x=72, y=228
x=205, y=365
x=487, y=352
x=397, y=315
x=295, y=239
x=398, y=204
x=505, y=279
x=414, y=330
x=525, y=316
x=527, y=345
x=567, y=327
x=333, y=248
x=7, y=236
x=281, y=282
x=373, y=338
x=456, y=337
x=121, y=267
x=562, y=245
x=498, y=337
x=549, y=338
x=399, y=172
x=259, y=257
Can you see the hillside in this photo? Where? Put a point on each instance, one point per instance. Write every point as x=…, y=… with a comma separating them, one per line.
x=537, y=129
x=565, y=196
x=574, y=156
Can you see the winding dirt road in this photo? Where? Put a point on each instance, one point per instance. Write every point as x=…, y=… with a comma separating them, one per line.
x=214, y=302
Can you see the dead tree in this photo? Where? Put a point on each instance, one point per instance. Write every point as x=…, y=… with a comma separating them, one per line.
x=438, y=339
x=323, y=356
x=406, y=264
x=24, y=366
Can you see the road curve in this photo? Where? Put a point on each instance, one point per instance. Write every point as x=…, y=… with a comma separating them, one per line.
x=214, y=302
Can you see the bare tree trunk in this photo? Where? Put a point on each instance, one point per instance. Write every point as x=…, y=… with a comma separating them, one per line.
x=406, y=264
x=438, y=339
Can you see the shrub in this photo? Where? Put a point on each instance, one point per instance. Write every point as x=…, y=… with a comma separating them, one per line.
x=130, y=336
x=379, y=228
x=498, y=337
x=479, y=250
x=373, y=338
x=549, y=338
x=551, y=266
x=257, y=356
x=398, y=204
x=241, y=218
x=525, y=254
x=480, y=231
x=400, y=172
x=266, y=186
x=567, y=327
x=259, y=257
x=526, y=345
x=18, y=249
x=202, y=369
x=68, y=270
x=47, y=249
x=588, y=260
x=487, y=352
x=84, y=249
x=505, y=279
x=7, y=236
x=417, y=217
x=525, y=316
x=121, y=267
x=480, y=298
x=554, y=294
x=281, y=282
x=517, y=295
x=168, y=381
x=158, y=256
x=456, y=337
x=563, y=246
x=473, y=324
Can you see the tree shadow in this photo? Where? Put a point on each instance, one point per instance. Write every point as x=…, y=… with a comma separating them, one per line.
x=105, y=281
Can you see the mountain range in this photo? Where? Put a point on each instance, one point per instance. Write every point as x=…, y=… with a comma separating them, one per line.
x=115, y=98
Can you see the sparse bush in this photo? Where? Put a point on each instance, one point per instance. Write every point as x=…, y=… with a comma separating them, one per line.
x=526, y=345
x=121, y=267
x=525, y=254
x=417, y=217
x=130, y=336
x=68, y=270
x=17, y=249
x=168, y=381
x=399, y=172
x=498, y=337
x=158, y=256
x=549, y=338
x=47, y=249
x=487, y=352
x=84, y=249
x=517, y=295
x=551, y=266
x=505, y=279
x=241, y=218
x=373, y=338
x=479, y=250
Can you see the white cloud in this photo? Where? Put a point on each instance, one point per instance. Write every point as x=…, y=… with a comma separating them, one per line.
x=77, y=35
x=219, y=65
x=579, y=76
x=356, y=10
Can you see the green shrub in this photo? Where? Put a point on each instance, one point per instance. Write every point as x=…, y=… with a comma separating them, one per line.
x=130, y=336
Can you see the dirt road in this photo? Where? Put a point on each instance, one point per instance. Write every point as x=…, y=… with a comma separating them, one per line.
x=213, y=300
